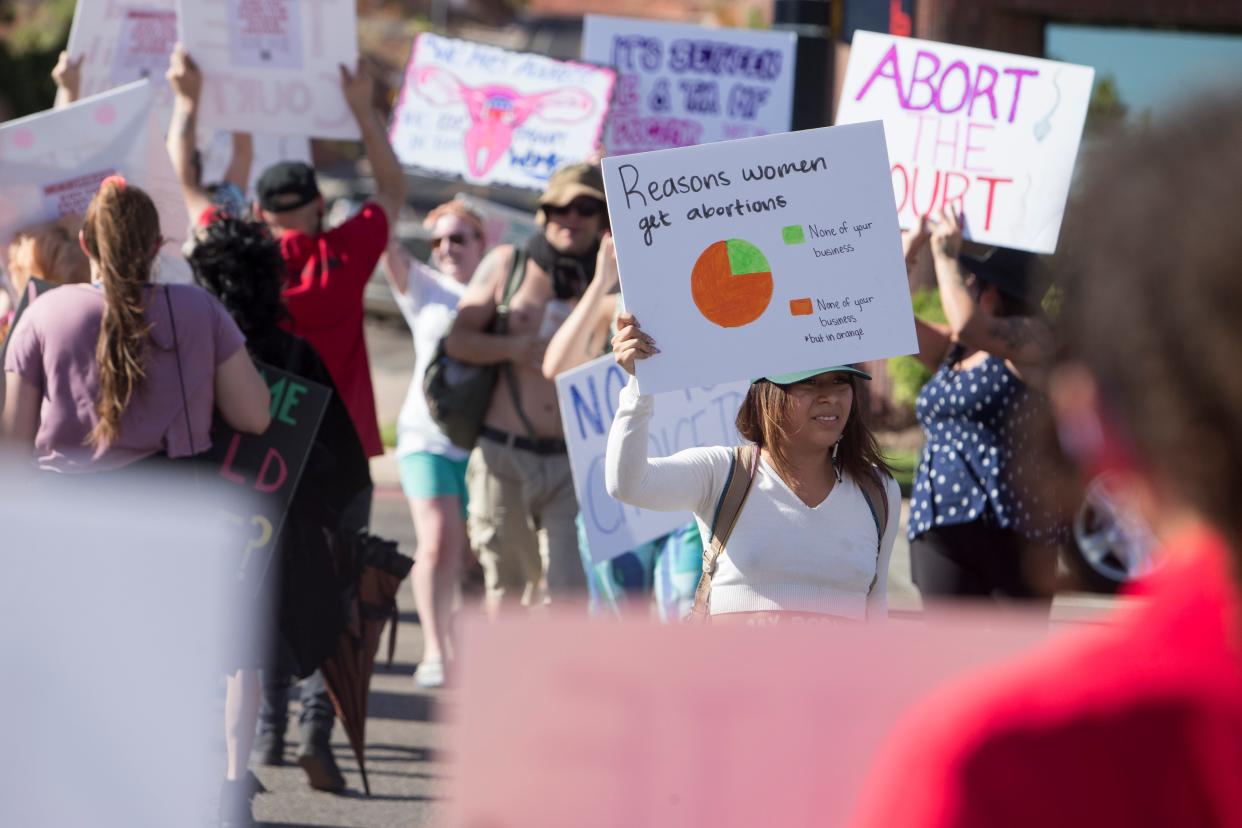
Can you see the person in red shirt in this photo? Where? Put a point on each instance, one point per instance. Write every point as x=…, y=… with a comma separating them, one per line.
x=328, y=270
x=1137, y=723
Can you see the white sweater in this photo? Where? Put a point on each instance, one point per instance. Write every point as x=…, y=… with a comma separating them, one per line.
x=782, y=554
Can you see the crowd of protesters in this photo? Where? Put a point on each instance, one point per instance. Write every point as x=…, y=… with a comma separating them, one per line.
x=111, y=372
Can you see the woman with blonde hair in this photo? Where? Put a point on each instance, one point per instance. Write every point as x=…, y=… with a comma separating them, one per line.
x=433, y=470
x=800, y=523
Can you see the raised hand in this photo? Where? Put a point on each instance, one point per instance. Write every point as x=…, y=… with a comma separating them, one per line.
x=946, y=237
x=630, y=343
x=67, y=73
x=359, y=89
x=183, y=75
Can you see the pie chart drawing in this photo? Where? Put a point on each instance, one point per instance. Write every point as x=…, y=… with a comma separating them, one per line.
x=731, y=283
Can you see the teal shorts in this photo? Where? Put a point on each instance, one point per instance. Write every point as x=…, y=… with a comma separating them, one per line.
x=424, y=474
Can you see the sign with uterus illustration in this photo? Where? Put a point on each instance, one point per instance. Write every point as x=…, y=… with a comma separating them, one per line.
x=494, y=116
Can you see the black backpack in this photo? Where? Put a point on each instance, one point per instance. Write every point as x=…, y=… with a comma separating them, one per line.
x=458, y=393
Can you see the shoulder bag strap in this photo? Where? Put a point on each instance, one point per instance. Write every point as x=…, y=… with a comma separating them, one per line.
x=732, y=498
x=516, y=274
x=873, y=491
x=185, y=406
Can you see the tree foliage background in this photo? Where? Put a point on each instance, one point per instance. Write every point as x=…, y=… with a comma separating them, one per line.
x=32, y=33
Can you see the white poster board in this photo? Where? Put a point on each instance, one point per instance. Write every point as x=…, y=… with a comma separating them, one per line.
x=497, y=117
x=122, y=41
x=268, y=150
x=991, y=133
x=588, y=397
x=51, y=164
x=679, y=85
x=762, y=255
x=272, y=66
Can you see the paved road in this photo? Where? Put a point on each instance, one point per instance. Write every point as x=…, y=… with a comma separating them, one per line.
x=406, y=772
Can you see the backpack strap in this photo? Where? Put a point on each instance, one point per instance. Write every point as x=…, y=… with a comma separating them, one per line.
x=517, y=272
x=742, y=467
x=874, y=492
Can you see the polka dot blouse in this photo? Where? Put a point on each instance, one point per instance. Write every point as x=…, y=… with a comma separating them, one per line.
x=975, y=423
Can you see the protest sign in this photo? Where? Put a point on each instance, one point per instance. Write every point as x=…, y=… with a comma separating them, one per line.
x=268, y=150
x=269, y=465
x=51, y=164
x=679, y=85
x=631, y=723
x=588, y=397
x=271, y=66
x=122, y=41
x=761, y=256
x=992, y=134
x=496, y=117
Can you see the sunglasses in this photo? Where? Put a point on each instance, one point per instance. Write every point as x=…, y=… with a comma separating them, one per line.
x=584, y=207
x=455, y=239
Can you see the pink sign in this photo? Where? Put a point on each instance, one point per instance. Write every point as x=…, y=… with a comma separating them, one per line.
x=272, y=66
x=51, y=164
x=122, y=41
x=617, y=725
x=71, y=197
x=146, y=40
x=494, y=116
x=266, y=33
x=993, y=135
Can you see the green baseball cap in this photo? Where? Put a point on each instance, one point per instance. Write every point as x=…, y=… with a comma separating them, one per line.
x=799, y=376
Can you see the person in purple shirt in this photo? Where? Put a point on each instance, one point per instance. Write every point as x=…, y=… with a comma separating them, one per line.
x=104, y=376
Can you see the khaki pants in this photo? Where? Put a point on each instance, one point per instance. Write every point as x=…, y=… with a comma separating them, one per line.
x=522, y=513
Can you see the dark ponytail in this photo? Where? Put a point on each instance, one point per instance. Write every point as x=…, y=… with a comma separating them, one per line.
x=122, y=234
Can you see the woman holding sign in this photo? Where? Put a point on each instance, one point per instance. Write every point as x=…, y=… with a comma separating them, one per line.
x=978, y=527
x=798, y=526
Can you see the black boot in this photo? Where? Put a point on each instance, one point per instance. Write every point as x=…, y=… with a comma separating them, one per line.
x=268, y=748
x=315, y=757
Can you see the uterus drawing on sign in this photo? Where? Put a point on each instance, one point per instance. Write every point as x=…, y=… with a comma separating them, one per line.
x=496, y=111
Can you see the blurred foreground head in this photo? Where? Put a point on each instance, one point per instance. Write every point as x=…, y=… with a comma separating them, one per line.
x=1148, y=382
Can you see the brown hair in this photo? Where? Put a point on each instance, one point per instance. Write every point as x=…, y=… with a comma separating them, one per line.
x=1149, y=271
x=122, y=234
x=459, y=208
x=764, y=420
x=50, y=252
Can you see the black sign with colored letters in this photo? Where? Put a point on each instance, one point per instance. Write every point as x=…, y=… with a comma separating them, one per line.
x=268, y=466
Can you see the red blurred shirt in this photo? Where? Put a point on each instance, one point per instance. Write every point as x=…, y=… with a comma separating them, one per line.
x=1133, y=724
x=328, y=273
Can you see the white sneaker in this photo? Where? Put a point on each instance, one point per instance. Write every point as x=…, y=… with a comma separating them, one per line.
x=429, y=675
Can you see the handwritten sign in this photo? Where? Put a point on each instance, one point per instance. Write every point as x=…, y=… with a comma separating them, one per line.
x=271, y=66
x=761, y=256
x=588, y=398
x=497, y=117
x=269, y=465
x=51, y=164
x=122, y=42
x=632, y=723
x=991, y=133
x=680, y=85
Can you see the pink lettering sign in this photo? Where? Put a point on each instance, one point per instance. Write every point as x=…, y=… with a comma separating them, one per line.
x=992, y=134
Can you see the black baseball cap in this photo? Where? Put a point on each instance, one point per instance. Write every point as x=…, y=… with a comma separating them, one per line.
x=1012, y=272
x=287, y=186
